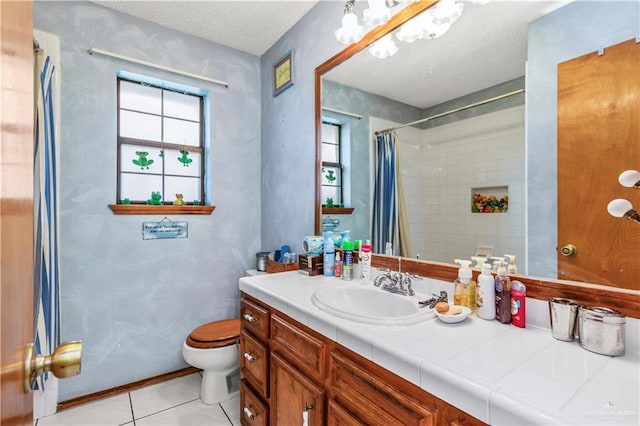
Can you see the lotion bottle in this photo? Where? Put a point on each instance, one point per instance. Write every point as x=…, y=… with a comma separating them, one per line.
x=511, y=268
x=465, y=288
x=486, y=294
x=503, y=293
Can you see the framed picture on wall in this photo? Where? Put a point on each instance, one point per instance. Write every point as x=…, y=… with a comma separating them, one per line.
x=283, y=74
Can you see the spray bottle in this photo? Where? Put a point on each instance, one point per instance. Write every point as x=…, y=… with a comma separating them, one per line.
x=465, y=288
x=329, y=256
x=486, y=294
x=503, y=293
x=511, y=268
x=365, y=260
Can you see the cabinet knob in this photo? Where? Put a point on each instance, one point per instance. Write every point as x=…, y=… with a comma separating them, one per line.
x=249, y=357
x=248, y=413
x=250, y=318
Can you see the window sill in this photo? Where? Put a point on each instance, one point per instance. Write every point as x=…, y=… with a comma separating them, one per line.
x=164, y=209
x=337, y=210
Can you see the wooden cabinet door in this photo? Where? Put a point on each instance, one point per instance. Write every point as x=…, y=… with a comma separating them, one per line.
x=292, y=394
x=254, y=362
x=253, y=412
x=598, y=138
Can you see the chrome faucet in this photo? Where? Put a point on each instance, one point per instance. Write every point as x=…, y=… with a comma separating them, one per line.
x=395, y=282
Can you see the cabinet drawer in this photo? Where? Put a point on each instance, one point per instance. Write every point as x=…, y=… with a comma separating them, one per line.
x=338, y=416
x=307, y=351
x=372, y=396
x=255, y=318
x=252, y=410
x=254, y=362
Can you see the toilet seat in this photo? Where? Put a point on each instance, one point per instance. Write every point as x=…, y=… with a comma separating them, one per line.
x=215, y=334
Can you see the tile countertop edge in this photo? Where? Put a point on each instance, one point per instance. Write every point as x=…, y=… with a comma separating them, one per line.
x=482, y=400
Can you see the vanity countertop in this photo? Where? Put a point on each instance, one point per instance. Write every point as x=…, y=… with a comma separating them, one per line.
x=501, y=374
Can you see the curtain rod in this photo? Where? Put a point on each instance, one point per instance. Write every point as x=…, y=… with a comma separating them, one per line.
x=442, y=114
x=337, y=111
x=93, y=50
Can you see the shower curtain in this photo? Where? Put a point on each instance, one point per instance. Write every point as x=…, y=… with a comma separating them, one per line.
x=389, y=223
x=46, y=274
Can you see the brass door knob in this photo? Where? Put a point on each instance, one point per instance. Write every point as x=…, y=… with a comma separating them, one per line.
x=63, y=362
x=568, y=250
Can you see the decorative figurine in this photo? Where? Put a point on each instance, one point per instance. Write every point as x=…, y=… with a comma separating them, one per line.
x=155, y=200
x=196, y=202
x=126, y=201
x=178, y=201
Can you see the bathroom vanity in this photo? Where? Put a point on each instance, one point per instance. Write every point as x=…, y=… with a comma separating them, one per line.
x=298, y=362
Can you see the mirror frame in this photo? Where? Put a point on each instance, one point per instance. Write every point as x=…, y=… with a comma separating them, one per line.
x=625, y=301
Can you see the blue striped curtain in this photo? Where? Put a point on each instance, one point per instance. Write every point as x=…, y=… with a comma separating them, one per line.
x=46, y=274
x=385, y=203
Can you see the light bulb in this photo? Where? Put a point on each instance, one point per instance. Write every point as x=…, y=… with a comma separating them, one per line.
x=619, y=207
x=630, y=178
x=383, y=48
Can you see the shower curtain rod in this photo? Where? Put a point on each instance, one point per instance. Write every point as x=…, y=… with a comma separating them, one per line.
x=442, y=114
x=93, y=50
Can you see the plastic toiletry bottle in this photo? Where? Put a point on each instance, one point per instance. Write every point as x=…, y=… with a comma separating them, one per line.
x=486, y=300
x=347, y=260
x=337, y=268
x=365, y=260
x=518, y=304
x=465, y=288
x=511, y=268
x=479, y=261
x=328, y=259
x=503, y=293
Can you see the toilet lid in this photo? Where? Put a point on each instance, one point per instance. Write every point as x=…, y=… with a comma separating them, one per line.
x=215, y=334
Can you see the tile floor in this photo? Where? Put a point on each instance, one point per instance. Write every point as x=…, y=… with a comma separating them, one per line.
x=174, y=402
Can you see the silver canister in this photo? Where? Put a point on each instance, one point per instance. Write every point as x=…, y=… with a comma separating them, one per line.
x=563, y=314
x=261, y=261
x=601, y=330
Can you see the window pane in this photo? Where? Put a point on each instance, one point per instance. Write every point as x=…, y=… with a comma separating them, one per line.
x=177, y=162
x=331, y=176
x=188, y=187
x=330, y=153
x=181, y=106
x=330, y=133
x=181, y=132
x=139, y=126
x=138, y=187
x=331, y=192
x=140, y=98
x=140, y=159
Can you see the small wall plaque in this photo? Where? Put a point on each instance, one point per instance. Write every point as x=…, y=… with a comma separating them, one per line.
x=165, y=229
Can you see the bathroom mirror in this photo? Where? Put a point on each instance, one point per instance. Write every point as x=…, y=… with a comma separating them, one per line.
x=334, y=71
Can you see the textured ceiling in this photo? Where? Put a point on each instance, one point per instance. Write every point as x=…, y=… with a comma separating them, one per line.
x=249, y=26
x=485, y=47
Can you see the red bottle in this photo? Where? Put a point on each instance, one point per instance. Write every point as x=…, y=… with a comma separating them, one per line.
x=518, y=304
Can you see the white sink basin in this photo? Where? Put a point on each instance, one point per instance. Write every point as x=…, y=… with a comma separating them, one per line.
x=371, y=305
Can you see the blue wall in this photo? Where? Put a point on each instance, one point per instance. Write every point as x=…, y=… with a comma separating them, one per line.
x=577, y=29
x=132, y=302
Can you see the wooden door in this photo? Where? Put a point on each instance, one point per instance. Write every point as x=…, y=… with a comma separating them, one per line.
x=598, y=138
x=16, y=207
x=292, y=393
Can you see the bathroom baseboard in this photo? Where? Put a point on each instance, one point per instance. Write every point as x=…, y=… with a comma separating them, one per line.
x=63, y=405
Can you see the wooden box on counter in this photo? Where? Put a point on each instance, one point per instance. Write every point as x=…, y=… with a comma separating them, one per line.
x=273, y=266
x=311, y=264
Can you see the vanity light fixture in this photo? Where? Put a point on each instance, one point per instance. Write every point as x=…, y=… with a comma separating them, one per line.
x=630, y=179
x=624, y=209
x=431, y=24
x=621, y=207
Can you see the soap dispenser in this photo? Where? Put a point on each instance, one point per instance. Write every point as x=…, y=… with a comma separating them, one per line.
x=486, y=294
x=465, y=288
x=479, y=261
x=511, y=268
x=503, y=293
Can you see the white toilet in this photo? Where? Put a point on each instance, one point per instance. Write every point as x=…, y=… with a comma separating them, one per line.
x=214, y=349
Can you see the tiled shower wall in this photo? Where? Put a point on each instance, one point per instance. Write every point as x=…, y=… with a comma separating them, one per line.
x=439, y=168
